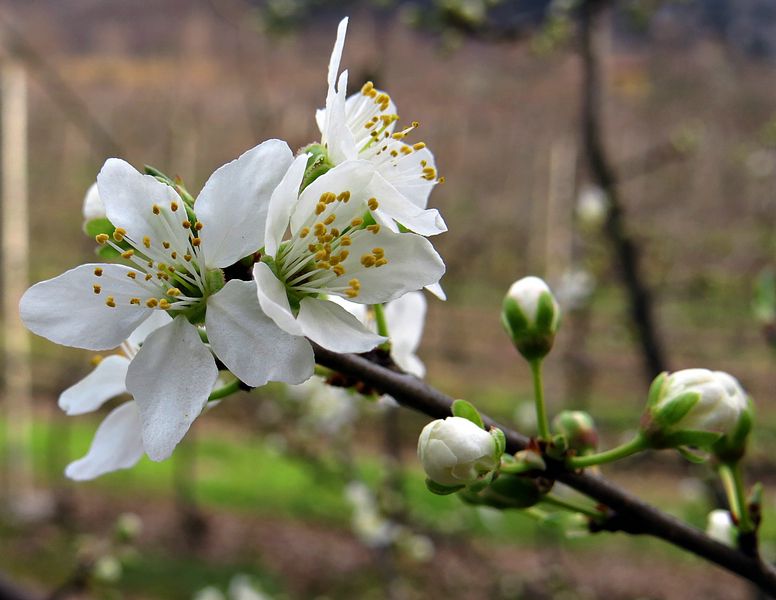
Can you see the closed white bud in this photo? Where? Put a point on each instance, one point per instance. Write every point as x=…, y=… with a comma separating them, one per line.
x=456, y=452
x=696, y=407
x=93, y=207
x=530, y=315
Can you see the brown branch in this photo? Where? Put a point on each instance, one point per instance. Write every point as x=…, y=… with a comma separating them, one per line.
x=629, y=513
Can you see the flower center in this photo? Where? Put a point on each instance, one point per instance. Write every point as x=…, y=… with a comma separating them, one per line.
x=169, y=269
x=316, y=259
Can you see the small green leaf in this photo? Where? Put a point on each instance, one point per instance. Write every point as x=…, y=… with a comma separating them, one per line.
x=675, y=409
x=441, y=490
x=465, y=410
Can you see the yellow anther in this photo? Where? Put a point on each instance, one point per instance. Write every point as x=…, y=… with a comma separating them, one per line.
x=196, y=241
x=132, y=275
x=101, y=238
x=368, y=260
x=344, y=196
x=351, y=293
x=187, y=257
x=334, y=232
x=415, y=124
x=304, y=232
x=134, y=300
x=399, y=135
x=334, y=260
x=327, y=198
x=321, y=255
x=373, y=204
x=156, y=210
x=110, y=301
x=380, y=262
x=319, y=229
x=119, y=233
x=319, y=208
x=173, y=206
x=152, y=303
x=198, y=226
x=173, y=292
x=128, y=254
x=441, y=180
x=339, y=270
x=97, y=289
x=355, y=283
x=394, y=153
x=146, y=241
x=163, y=304
x=330, y=219
x=429, y=173
x=186, y=224
x=166, y=245
x=343, y=255
x=328, y=238
x=323, y=265
x=423, y=163
x=374, y=228
x=149, y=277
x=150, y=263
x=173, y=255
x=378, y=252
x=367, y=88
x=419, y=146
x=98, y=271
x=406, y=150
x=345, y=240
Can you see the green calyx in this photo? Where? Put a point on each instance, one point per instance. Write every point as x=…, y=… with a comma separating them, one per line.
x=317, y=165
x=532, y=338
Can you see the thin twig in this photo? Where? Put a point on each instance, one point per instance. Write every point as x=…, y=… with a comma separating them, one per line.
x=629, y=513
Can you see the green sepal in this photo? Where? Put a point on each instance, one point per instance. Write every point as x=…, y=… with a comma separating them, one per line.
x=755, y=497
x=441, y=490
x=693, y=457
x=675, y=409
x=545, y=315
x=107, y=252
x=95, y=227
x=732, y=447
x=696, y=439
x=465, y=410
x=500, y=439
x=317, y=165
x=482, y=483
x=656, y=389
x=514, y=491
x=513, y=318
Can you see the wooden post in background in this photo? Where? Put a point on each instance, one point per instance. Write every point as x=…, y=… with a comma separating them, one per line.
x=17, y=392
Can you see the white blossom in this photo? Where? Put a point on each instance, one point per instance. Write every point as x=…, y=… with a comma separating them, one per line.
x=334, y=250
x=93, y=208
x=720, y=527
x=176, y=260
x=363, y=128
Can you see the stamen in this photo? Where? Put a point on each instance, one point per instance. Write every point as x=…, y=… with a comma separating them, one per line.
x=101, y=238
x=173, y=206
x=131, y=275
x=98, y=271
x=152, y=303
x=97, y=289
x=146, y=241
x=373, y=204
x=374, y=228
x=128, y=254
x=110, y=301
x=134, y=300
x=119, y=233
x=155, y=209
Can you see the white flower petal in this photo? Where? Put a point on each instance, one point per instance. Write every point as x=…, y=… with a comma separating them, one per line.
x=403, y=210
x=117, y=444
x=106, y=381
x=273, y=299
x=66, y=310
x=406, y=175
x=334, y=328
x=437, y=291
x=157, y=319
x=361, y=109
x=282, y=203
x=405, y=317
x=171, y=378
x=357, y=310
x=412, y=264
x=233, y=204
x=335, y=134
x=249, y=343
x=336, y=54
x=129, y=198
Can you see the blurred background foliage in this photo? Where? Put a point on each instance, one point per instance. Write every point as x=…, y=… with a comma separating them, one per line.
x=689, y=122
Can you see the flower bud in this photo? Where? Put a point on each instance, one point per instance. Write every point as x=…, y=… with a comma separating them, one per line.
x=455, y=452
x=720, y=527
x=93, y=208
x=696, y=407
x=530, y=315
x=579, y=430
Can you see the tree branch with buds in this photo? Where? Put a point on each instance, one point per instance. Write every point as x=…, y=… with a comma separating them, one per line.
x=626, y=512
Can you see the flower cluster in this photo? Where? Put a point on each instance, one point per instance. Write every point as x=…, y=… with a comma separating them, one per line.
x=235, y=284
